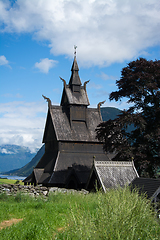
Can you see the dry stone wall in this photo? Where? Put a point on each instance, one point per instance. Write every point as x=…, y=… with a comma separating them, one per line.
x=13, y=189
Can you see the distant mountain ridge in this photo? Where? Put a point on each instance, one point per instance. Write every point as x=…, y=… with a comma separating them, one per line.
x=13, y=157
x=28, y=168
x=107, y=113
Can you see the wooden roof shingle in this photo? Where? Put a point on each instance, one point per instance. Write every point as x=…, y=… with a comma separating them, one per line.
x=78, y=99
x=112, y=174
x=80, y=161
x=85, y=131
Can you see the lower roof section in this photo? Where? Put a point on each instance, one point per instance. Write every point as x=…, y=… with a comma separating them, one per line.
x=81, y=162
x=148, y=186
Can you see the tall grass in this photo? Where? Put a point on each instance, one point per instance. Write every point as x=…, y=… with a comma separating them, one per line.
x=118, y=214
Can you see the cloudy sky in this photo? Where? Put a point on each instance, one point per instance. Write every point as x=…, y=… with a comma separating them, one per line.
x=37, y=39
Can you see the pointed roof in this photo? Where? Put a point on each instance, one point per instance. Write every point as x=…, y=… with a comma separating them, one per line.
x=111, y=174
x=75, y=79
x=64, y=132
x=82, y=98
x=74, y=93
x=38, y=172
x=80, y=161
x=75, y=65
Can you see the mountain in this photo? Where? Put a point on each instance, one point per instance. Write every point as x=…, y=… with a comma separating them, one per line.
x=107, y=113
x=13, y=157
x=112, y=113
x=28, y=168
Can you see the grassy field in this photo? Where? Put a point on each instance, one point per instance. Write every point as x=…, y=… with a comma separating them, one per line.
x=10, y=181
x=118, y=214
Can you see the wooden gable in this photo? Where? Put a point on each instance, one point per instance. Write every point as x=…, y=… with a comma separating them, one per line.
x=49, y=132
x=111, y=174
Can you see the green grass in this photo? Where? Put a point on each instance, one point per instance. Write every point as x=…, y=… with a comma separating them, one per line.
x=9, y=181
x=118, y=214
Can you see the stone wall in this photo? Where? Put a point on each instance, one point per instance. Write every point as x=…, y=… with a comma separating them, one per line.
x=13, y=189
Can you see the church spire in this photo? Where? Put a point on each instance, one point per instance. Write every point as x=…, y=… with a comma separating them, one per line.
x=74, y=94
x=75, y=79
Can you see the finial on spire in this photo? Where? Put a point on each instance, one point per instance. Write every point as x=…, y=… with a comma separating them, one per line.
x=75, y=47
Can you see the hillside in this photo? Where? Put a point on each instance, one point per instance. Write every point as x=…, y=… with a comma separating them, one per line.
x=28, y=168
x=13, y=157
x=107, y=113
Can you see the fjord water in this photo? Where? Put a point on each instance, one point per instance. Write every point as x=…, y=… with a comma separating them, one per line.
x=12, y=177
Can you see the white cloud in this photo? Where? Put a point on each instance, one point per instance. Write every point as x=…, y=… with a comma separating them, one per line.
x=45, y=64
x=3, y=150
x=120, y=104
x=104, y=31
x=9, y=95
x=22, y=123
x=4, y=61
x=100, y=93
x=95, y=86
x=104, y=76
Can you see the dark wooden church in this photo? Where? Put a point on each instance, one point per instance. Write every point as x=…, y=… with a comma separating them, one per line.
x=69, y=137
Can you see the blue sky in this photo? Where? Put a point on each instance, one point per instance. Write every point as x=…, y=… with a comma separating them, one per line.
x=37, y=41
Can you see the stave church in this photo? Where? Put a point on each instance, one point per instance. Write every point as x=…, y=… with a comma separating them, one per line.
x=72, y=151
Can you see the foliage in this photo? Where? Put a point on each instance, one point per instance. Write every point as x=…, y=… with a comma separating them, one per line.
x=17, y=182
x=118, y=214
x=140, y=83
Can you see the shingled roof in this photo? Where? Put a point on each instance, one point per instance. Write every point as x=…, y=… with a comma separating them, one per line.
x=80, y=161
x=78, y=99
x=111, y=174
x=74, y=93
x=78, y=131
x=75, y=79
x=149, y=186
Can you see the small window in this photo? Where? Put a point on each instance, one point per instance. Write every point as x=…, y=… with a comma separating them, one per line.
x=76, y=88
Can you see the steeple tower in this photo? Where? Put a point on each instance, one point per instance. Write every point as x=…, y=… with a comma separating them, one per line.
x=75, y=81
x=74, y=99
x=74, y=94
